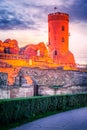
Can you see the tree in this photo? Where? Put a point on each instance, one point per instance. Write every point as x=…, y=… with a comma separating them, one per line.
x=55, y=88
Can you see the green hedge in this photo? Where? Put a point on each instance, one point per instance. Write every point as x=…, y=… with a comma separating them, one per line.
x=14, y=110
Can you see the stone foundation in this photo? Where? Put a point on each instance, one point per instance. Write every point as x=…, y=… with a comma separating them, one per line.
x=4, y=93
x=21, y=92
x=32, y=82
x=44, y=90
x=16, y=92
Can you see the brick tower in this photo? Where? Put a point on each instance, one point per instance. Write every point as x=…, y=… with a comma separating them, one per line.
x=58, y=37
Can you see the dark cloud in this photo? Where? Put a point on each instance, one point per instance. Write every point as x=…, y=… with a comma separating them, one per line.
x=20, y=16
x=77, y=11
x=80, y=10
x=10, y=20
x=29, y=14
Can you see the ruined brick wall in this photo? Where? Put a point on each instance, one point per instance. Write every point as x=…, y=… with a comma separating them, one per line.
x=15, y=91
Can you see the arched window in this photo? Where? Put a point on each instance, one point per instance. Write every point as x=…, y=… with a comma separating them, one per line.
x=55, y=52
x=62, y=39
x=38, y=52
x=7, y=50
x=62, y=28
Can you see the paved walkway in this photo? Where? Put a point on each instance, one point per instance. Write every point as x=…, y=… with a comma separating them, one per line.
x=70, y=120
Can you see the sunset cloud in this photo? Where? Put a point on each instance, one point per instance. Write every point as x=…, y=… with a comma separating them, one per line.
x=27, y=21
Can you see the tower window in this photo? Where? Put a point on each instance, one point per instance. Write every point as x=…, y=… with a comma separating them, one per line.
x=62, y=28
x=38, y=52
x=55, y=52
x=62, y=39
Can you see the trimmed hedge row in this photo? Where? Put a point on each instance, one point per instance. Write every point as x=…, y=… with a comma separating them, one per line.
x=14, y=110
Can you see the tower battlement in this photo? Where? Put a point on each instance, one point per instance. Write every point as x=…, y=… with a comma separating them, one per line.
x=58, y=16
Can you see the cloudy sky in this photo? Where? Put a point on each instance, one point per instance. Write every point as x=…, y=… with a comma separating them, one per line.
x=26, y=21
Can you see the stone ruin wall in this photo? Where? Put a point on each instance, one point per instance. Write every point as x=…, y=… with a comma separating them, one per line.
x=72, y=82
x=16, y=90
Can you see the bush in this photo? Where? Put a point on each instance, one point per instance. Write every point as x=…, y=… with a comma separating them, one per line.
x=14, y=110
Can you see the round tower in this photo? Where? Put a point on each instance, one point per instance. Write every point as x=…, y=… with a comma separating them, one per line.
x=58, y=37
x=58, y=32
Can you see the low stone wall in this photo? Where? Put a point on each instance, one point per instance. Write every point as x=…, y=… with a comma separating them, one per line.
x=4, y=93
x=45, y=90
x=16, y=92
x=21, y=92
x=21, y=88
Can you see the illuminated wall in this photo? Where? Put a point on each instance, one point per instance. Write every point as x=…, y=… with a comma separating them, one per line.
x=58, y=37
x=9, y=47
